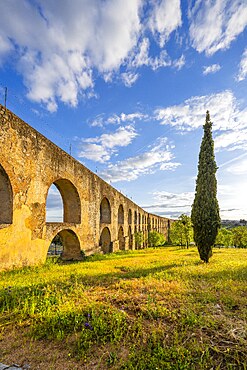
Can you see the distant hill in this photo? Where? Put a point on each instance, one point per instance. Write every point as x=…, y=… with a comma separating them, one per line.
x=233, y=223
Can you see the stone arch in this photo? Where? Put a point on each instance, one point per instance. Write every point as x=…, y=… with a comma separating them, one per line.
x=120, y=214
x=168, y=231
x=105, y=211
x=70, y=245
x=130, y=238
x=105, y=240
x=54, y=205
x=71, y=201
x=121, y=238
x=135, y=218
x=139, y=219
x=130, y=217
x=6, y=198
x=135, y=231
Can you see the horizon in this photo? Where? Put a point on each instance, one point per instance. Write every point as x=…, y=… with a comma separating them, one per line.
x=125, y=92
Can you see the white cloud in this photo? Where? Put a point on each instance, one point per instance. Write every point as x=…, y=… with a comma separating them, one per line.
x=211, y=69
x=232, y=199
x=100, y=149
x=229, y=121
x=237, y=158
x=162, y=60
x=215, y=24
x=243, y=67
x=239, y=168
x=167, y=199
x=129, y=78
x=179, y=63
x=165, y=19
x=232, y=140
x=101, y=120
x=5, y=48
x=58, y=46
x=140, y=57
x=171, y=204
x=98, y=121
x=190, y=115
x=59, y=49
x=158, y=157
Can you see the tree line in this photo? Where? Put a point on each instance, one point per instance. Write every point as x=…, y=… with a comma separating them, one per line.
x=181, y=234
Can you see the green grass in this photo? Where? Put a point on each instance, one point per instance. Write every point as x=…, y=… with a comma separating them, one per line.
x=147, y=309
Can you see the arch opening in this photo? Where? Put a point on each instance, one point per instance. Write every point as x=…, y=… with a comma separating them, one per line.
x=105, y=211
x=54, y=205
x=105, y=241
x=121, y=239
x=63, y=203
x=56, y=247
x=135, y=241
x=65, y=244
x=6, y=199
x=130, y=238
x=129, y=217
x=135, y=218
x=121, y=214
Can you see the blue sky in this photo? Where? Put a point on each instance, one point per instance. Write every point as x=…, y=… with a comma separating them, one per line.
x=125, y=85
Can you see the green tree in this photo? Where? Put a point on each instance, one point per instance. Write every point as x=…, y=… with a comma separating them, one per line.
x=205, y=209
x=155, y=239
x=138, y=239
x=181, y=231
x=187, y=228
x=176, y=233
x=224, y=237
x=239, y=236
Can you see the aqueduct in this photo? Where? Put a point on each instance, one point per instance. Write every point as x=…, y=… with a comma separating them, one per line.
x=96, y=217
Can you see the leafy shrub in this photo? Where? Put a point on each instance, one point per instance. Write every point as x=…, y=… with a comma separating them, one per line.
x=155, y=239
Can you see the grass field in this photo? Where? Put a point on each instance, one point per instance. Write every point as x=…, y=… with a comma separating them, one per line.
x=148, y=309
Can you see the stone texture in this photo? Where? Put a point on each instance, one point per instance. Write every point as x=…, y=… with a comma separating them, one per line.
x=11, y=367
x=29, y=165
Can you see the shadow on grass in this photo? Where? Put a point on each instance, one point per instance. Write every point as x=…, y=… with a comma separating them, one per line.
x=13, y=297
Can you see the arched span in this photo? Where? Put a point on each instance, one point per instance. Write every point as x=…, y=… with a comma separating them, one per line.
x=121, y=214
x=121, y=238
x=6, y=198
x=71, y=201
x=105, y=241
x=105, y=211
x=70, y=245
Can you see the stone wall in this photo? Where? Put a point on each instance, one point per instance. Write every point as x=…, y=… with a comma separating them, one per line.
x=29, y=165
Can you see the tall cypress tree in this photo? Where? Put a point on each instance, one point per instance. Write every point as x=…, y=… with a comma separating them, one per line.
x=205, y=209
